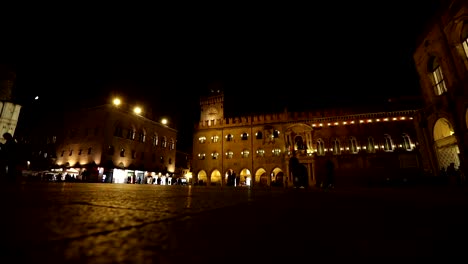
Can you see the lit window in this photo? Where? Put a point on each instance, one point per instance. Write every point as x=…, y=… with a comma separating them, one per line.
x=229, y=154
x=464, y=38
x=260, y=152
x=370, y=145
x=214, y=139
x=388, y=143
x=407, y=145
x=437, y=77
x=336, y=147
x=245, y=153
x=215, y=155
x=172, y=144
x=320, y=147
x=353, y=145
x=276, y=152
x=155, y=140
x=202, y=140
x=201, y=156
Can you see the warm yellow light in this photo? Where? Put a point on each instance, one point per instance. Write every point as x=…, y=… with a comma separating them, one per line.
x=164, y=121
x=137, y=110
x=117, y=102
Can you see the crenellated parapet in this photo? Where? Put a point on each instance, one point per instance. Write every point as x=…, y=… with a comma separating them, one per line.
x=312, y=117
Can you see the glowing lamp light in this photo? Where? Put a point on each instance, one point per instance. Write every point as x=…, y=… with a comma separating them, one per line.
x=116, y=102
x=164, y=121
x=137, y=110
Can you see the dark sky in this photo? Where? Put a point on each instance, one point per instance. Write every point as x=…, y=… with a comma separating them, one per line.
x=265, y=57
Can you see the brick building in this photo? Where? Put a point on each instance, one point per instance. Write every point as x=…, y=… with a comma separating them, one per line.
x=366, y=146
x=441, y=59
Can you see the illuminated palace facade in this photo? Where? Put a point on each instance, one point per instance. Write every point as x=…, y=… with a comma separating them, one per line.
x=441, y=60
x=115, y=144
x=9, y=110
x=255, y=150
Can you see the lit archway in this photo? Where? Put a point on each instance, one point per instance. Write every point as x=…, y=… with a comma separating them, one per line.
x=261, y=177
x=445, y=143
x=215, y=178
x=202, y=177
x=245, y=177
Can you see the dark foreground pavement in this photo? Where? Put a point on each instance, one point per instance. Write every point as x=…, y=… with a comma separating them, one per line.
x=125, y=223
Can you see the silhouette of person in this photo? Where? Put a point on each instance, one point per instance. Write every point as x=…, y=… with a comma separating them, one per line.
x=10, y=155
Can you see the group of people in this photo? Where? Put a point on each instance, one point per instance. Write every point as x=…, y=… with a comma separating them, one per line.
x=9, y=159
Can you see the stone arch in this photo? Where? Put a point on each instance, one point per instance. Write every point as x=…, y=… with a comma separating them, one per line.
x=215, y=178
x=278, y=177
x=202, y=178
x=245, y=177
x=261, y=177
x=445, y=143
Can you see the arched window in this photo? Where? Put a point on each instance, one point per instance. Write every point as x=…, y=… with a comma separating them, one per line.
x=202, y=139
x=276, y=133
x=407, y=145
x=353, y=148
x=336, y=147
x=244, y=136
x=370, y=145
x=320, y=147
x=229, y=154
x=245, y=153
x=388, y=143
x=214, y=155
x=259, y=135
x=142, y=136
x=131, y=133
x=171, y=144
x=155, y=139
x=438, y=81
x=229, y=137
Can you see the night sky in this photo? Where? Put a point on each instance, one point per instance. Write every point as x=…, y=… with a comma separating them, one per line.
x=264, y=57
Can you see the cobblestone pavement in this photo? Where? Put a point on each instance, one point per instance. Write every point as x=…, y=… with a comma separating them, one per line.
x=128, y=223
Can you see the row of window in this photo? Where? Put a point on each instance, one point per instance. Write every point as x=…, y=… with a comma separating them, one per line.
x=141, y=137
x=435, y=69
x=243, y=136
x=244, y=154
x=111, y=151
x=335, y=148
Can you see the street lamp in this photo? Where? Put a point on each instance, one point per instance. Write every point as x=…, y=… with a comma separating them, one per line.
x=164, y=121
x=116, y=102
x=137, y=110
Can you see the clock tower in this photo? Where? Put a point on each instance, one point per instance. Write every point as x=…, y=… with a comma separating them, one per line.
x=212, y=106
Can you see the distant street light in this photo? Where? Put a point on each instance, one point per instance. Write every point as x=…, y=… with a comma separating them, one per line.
x=116, y=102
x=36, y=98
x=164, y=121
x=137, y=110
